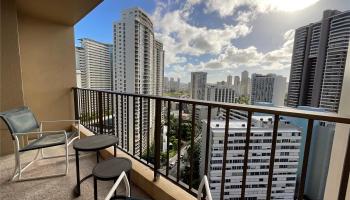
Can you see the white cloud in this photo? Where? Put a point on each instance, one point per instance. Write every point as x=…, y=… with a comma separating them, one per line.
x=234, y=57
x=230, y=6
x=180, y=37
x=183, y=39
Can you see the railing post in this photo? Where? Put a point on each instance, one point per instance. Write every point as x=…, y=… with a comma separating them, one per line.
x=157, y=137
x=272, y=156
x=76, y=107
x=100, y=112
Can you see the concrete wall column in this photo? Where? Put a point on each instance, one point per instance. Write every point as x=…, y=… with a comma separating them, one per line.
x=342, y=132
x=11, y=91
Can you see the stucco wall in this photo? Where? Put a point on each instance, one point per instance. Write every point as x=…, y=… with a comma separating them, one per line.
x=11, y=93
x=48, y=67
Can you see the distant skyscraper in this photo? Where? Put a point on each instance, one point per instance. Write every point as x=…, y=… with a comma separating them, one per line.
x=158, y=68
x=229, y=80
x=318, y=61
x=95, y=62
x=245, y=83
x=138, y=68
x=268, y=88
x=286, y=158
x=166, y=84
x=221, y=93
x=173, y=84
x=178, y=83
x=237, y=85
x=198, y=85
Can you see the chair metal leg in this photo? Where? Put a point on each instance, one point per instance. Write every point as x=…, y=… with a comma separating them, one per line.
x=67, y=159
x=19, y=169
x=15, y=172
x=37, y=154
x=42, y=153
x=19, y=166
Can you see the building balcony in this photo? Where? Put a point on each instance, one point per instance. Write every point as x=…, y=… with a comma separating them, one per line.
x=38, y=71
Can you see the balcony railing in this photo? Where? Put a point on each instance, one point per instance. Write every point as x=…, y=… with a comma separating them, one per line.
x=106, y=112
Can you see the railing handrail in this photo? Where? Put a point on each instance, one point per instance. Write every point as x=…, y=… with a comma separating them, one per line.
x=282, y=111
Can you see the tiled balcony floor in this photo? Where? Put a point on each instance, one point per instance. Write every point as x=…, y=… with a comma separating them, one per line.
x=53, y=188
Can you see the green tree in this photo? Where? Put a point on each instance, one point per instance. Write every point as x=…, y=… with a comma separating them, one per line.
x=186, y=173
x=243, y=100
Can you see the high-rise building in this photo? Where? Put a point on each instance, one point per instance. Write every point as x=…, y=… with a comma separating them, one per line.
x=79, y=64
x=94, y=59
x=172, y=84
x=166, y=84
x=178, y=83
x=229, y=80
x=79, y=58
x=318, y=61
x=158, y=68
x=245, y=83
x=138, y=68
x=221, y=93
x=78, y=77
x=286, y=158
x=268, y=88
x=198, y=85
x=237, y=85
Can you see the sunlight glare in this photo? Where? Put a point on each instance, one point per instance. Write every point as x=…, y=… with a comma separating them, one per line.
x=291, y=5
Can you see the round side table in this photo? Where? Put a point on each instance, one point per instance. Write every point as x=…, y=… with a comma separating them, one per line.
x=110, y=170
x=91, y=143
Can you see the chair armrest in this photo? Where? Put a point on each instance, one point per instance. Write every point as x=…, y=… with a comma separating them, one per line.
x=63, y=120
x=41, y=132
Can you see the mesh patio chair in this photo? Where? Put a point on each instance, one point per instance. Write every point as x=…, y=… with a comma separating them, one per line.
x=21, y=122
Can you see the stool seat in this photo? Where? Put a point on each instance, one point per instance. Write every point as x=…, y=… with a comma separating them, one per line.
x=112, y=168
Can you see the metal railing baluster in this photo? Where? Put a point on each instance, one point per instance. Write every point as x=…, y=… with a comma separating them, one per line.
x=148, y=126
x=301, y=186
x=140, y=128
x=167, y=141
x=246, y=155
x=207, y=141
x=134, y=125
x=272, y=156
x=193, y=124
x=157, y=138
x=179, y=143
x=223, y=173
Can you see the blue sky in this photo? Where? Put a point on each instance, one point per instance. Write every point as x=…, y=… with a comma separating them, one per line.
x=221, y=37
